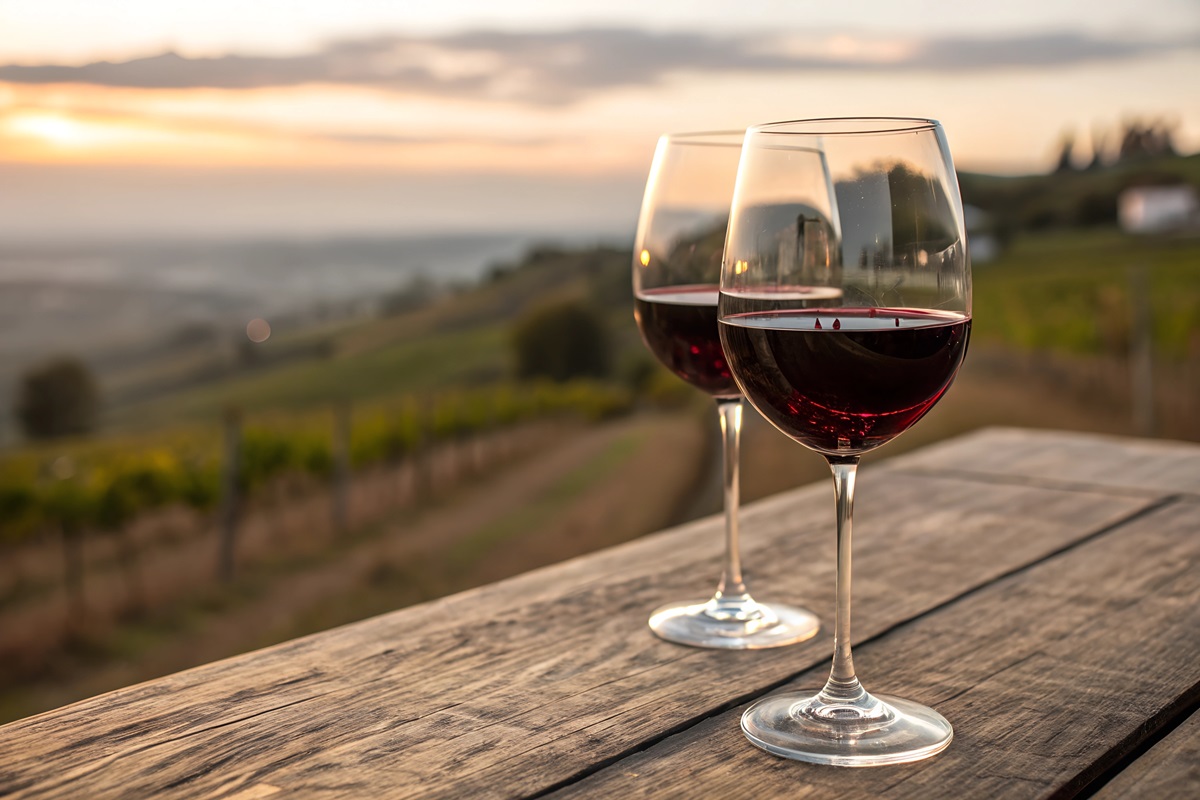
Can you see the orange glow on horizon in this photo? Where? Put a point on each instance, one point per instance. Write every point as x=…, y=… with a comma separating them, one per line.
x=47, y=136
x=72, y=124
x=51, y=128
x=327, y=126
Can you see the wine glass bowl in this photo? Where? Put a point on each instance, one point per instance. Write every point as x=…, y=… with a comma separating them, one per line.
x=845, y=312
x=676, y=272
x=844, y=381
x=677, y=255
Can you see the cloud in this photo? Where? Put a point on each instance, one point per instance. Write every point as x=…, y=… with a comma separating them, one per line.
x=551, y=68
x=530, y=142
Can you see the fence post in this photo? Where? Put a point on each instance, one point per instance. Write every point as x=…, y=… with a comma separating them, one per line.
x=230, y=493
x=341, y=466
x=424, y=450
x=73, y=576
x=1141, y=352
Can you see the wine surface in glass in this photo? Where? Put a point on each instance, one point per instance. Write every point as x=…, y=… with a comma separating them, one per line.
x=679, y=325
x=843, y=381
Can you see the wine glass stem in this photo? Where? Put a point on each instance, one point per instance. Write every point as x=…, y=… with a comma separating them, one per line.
x=732, y=587
x=843, y=685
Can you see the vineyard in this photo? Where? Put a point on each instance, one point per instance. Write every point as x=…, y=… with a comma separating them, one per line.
x=101, y=487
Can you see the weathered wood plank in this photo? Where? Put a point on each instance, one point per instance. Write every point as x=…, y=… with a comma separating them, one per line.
x=518, y=687
x=1169, y=770
x=1048, y=676
x=1051, y=458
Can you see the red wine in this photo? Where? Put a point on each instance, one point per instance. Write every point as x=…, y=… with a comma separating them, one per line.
x=679, y=325
x=843, y=381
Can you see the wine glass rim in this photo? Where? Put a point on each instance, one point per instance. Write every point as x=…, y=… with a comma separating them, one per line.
x=707, y=138
x=846, y=126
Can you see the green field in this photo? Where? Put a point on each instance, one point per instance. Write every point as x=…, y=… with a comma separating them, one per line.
x=1070, y=292
x=419, y=363
x=462, y=339
x=1066, y=291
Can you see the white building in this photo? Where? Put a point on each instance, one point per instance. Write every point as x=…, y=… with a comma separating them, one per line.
x=1154, y=209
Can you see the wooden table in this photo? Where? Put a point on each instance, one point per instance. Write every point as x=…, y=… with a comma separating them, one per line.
x=1040, y=589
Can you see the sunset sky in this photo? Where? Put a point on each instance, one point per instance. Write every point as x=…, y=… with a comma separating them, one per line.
x=151, y=118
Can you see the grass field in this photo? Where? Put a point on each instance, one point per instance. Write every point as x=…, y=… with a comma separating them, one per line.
x=1067, y=292
x=460, y=339
x=418, y=363
x=1070, y=292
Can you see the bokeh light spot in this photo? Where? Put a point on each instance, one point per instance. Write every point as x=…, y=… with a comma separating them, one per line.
x=258, y=330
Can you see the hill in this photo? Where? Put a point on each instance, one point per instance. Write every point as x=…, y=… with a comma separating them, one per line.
x=1069, y=198
x=420, y=341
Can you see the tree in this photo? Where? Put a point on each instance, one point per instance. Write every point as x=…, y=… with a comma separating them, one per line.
x=561, y=341
x=57, y=398
x=1146, y=140
x=1066, y=151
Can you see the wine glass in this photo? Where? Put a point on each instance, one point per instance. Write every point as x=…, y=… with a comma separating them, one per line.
x=869, y=208
x=676, y=266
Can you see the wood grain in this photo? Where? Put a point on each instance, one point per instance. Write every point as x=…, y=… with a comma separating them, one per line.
x=1169, y=770
x=1063, y=458
x=523, y=686
x=1048, y=676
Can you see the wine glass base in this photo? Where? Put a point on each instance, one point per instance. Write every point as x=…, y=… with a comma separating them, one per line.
x=896, y=731
x=769, y=625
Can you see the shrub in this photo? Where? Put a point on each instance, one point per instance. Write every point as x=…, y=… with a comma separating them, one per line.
x=58, y=398
x=561, y=341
